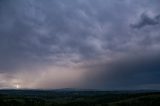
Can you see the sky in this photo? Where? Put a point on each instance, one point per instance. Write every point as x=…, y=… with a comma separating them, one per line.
x=85, y=44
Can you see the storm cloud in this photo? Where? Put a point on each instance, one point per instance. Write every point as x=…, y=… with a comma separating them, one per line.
x=129, y=72
x=104, y=44
x=147, y=21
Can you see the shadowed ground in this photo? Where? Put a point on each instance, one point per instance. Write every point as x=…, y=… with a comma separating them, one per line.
x=78, y=98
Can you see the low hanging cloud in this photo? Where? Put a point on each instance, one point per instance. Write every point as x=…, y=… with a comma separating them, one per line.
x=146, y=20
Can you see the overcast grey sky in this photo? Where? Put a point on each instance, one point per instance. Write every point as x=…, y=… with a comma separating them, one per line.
x=98, y=44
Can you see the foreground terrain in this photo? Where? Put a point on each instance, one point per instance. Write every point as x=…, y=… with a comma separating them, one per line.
x=78, y=98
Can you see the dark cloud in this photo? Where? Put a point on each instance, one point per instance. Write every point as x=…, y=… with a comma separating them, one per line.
x=146, y=20
x=140, y=72
x=33, y=34
x=36, y=35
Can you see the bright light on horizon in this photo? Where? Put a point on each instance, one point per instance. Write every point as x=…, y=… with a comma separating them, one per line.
x=18, y=86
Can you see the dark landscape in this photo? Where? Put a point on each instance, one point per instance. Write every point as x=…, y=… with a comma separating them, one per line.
x=78, y=98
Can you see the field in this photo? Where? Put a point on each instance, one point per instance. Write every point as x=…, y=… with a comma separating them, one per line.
x=78, y=98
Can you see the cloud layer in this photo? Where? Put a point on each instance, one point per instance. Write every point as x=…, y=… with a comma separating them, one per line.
x=106, y=43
